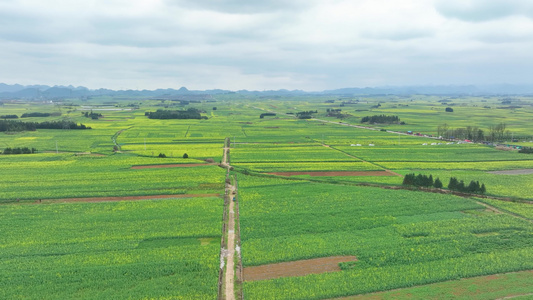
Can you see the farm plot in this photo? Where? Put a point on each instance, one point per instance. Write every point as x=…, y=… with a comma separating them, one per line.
x=400, y=238
x=290, y=154
x=437, y=153
x=442, y=165
x=142, y=249
x=309, y=166
x=53, y=176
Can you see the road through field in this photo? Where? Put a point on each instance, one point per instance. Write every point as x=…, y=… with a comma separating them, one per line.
x=229, y=278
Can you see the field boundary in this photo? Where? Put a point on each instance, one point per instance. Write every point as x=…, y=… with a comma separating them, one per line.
x=123, y=198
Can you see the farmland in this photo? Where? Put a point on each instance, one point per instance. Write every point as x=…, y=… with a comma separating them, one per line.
x=109, y=213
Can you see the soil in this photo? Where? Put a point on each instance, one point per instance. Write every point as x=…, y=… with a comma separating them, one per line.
x=169, y=166
x=127, y=198
x=336, y=173
x=296, y=268
x=513, y=172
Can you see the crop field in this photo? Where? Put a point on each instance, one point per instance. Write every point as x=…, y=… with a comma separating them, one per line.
x=155, y=249
x=399, y=237
x=109, y=213
x=52, y=176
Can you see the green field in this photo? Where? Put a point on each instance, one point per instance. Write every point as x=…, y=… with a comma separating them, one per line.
x=167, y=245
x=111, y=250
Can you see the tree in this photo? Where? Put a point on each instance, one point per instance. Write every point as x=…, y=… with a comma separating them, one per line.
x=473, y=187
x=162, y=155
x=409, y=179
x=214, y=108
x=437, y=184
x=185, y=155
x=452, y=185
x=482, y=189
x=461, y=186
x=449, y=109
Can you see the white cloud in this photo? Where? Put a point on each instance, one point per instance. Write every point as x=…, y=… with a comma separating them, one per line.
x=264, y=44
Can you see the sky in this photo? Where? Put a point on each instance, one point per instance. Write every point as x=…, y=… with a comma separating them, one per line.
x=311, y=45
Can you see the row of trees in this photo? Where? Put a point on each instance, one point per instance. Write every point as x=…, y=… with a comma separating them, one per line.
x=92, y=115
x=306, y=114
x=381, y=119
x=422, y=180
x=9, y=117
x=190, y=113
x=35, y=114
x=9, y=125
x=527, y=150
x=459, y=185
x=496, y=132
x=266, y=115
x=455, y=185
x=23, y=150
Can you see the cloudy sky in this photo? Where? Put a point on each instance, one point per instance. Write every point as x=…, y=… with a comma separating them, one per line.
x=268, y=44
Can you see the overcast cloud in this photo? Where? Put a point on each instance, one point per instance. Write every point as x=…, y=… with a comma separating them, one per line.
x=268, y=44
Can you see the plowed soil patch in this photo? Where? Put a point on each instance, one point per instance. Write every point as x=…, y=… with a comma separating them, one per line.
x=513, y=172
x=169, y=166
x=335, y=173
x=296, y=268
x=128, y=198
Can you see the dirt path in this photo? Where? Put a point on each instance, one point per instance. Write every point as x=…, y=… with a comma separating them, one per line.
x=353, y=156
x=229, y=253
x=501, y=211
x=115, y=137
x=230, y=256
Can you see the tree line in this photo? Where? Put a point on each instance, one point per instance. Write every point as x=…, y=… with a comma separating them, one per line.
x=92, y=115
x=381, y=119
x=9, y=117
x=527, y=150
x=35, y=114
x=261, y=116
x=454, y=184
x=496, y=132
x=10, y=125
x=18, y=150
x=190, y=113
x=306, y=114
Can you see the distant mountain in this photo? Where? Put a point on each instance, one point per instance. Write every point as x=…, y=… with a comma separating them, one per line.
x=43, y=92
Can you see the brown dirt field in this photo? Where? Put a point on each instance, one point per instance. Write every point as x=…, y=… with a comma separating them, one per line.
x=513, y=172
x=169, y=166
x=335, y=173
x=296, y=268
x=127, y=198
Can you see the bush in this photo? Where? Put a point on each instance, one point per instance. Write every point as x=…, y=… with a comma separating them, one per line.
x=449, y=109
x=185, y=155
x=162, y=155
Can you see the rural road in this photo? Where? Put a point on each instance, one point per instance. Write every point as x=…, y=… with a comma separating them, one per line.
x=229, y=278
x=230, y=256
